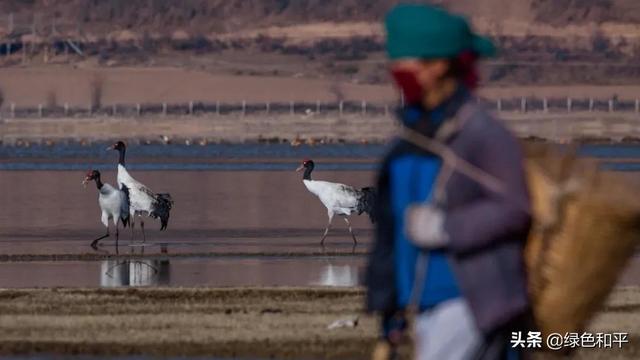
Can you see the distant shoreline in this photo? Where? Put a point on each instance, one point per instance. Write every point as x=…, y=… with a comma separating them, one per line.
x=301, y=129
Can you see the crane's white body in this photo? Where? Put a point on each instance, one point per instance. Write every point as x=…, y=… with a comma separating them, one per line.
x=338, y=198
x=113, y=203
x=141, y=198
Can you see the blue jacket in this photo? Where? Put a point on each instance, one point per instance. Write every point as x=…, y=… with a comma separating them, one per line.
x=484, y=261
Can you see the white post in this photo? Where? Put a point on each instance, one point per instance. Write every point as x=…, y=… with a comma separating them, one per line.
x=569, y=104
x=268, y=107
x=114, y=110
x=190, y=107
x=341, y=107
x=364, y=107
x=523, y=104
x=591, y=104
x=545, y=105
x=164, y=109
x=637, y=105
x=611, y=107
x=39, y=110
x=66, y=109
x=499, y=105
x=244, y=107
x=138, y=109
x=13, y=110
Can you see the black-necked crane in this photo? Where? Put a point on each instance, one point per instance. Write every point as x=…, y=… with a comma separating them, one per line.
x=339, y=199
x=142, y=201
x=114, y=204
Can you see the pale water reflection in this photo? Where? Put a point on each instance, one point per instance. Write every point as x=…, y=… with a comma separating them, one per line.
x=135, y=272
x=343, y=271
x=339, y=276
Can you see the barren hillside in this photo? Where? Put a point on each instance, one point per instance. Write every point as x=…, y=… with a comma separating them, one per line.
x=204, y=16
x=541, y=41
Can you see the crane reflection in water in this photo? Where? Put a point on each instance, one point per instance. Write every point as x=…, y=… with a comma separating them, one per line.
x=338, y=276
x=135, y=272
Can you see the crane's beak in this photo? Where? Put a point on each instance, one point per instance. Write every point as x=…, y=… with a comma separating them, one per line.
x=300, y=168
x=110, y=148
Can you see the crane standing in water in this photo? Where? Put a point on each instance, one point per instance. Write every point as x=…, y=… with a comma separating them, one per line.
x=141, y=199
x=114, y=204
x=339, y=199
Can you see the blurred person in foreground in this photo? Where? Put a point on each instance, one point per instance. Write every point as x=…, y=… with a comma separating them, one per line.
x=469, y=291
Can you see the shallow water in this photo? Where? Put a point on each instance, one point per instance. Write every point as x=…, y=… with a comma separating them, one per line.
x=156, y=156
x=332, y=272
x=225, y=213
x=51, y=212
x=256, y=225
x=97, y=150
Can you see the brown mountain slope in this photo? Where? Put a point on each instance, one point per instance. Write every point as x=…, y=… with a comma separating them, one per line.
x=207, y=16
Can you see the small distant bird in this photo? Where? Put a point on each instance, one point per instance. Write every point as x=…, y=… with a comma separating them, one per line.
x=296, y=142
x=114, y=204
x=338, y=198
x=142, y=201
x=344, y=323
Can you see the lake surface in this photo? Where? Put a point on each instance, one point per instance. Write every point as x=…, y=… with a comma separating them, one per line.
x=193, y=272
x=242, y=216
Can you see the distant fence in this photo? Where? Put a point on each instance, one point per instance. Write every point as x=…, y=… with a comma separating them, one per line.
x=195, y=108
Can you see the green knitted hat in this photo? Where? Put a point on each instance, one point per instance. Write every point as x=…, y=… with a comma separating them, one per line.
x=429, y=32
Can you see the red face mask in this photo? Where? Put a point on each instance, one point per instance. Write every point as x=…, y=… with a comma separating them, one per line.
x=408, y=84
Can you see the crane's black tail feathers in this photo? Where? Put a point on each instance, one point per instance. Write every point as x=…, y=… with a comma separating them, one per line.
x=124, y=210
x=366, y=202
x=162, y=209
x=125, y=220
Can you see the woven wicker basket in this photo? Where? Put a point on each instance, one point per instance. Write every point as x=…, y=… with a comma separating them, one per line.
x=586, y=228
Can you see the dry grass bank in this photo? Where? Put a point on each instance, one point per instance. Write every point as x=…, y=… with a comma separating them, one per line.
x=216, y=322
x=233, y=322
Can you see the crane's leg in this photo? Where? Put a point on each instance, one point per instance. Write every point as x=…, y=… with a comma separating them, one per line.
x=144, y=237
x=326, y=231
x=94, y=244
x=350, y=230
x=105, y=220
x=117, y=236
x=132, y=223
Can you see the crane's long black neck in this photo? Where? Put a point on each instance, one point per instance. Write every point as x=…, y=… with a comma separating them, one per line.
x=99, y=183
x=121, y=160
x=307, y=173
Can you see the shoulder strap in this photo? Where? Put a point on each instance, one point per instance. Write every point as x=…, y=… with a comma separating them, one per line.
x=454, y=125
